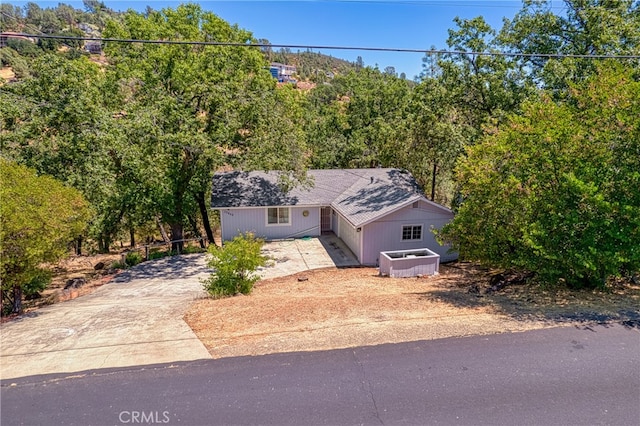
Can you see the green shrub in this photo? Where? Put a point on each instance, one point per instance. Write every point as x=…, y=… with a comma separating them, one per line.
x=158, y=254
x=11, y=58
x=130, y=259
x=193, y=249
x=24, y=47
x=72, y=54
x=118, y=265
x=234, y=266
x=133, y=258
x=37, y=283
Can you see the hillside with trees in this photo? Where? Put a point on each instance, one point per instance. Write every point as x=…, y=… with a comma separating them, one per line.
x=538, y=155
x=311, y=66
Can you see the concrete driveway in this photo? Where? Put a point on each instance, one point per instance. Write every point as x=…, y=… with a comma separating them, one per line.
x=136, y=319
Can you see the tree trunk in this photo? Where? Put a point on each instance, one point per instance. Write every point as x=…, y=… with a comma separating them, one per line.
x=196, y=230
x=177, y=245
x=109, y=230
x=165, y=237
x=176, y=216
x=132, y=237
x=204, y=213
x=79, y=245
x=104, y=243
x=433, y=181
x=17, y=299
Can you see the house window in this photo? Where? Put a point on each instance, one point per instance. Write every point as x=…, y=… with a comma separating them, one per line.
x=278, y=216
x=412, y=233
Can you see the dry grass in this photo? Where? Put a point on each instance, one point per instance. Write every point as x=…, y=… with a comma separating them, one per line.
x=73, y=267
x=337, y=308
x=6, y=74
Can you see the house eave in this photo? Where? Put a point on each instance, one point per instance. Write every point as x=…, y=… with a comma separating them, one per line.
x=267, y=207
x=439, y=206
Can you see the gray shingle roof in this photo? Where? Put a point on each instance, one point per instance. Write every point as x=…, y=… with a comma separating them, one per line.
x=376, y=195
x=360, y=195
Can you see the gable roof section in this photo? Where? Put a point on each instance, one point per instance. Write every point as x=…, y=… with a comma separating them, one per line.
x=376, y=194
x=359, y=195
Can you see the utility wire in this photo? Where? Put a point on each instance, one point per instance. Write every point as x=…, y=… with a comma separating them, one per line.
x=319, y=47
x=510, y=4
x=17, y=20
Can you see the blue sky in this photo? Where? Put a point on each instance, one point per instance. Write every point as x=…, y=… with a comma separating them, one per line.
x=408, y=24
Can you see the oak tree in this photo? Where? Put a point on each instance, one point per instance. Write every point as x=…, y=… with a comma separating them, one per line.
x=556, y=190
x=39, y=217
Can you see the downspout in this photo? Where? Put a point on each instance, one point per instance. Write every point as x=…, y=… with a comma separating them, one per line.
x=221, y=227
x=361, y=257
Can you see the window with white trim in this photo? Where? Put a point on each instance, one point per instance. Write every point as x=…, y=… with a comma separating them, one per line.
x=411, y=232
x=278, y=216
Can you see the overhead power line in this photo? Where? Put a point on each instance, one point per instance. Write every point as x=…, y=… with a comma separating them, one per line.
x=510, y=4
x=17, y=20
x=321, y=47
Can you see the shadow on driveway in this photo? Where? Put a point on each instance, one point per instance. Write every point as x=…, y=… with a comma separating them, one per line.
x=169, y=268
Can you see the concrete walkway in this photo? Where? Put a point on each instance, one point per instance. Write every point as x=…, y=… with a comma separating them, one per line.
x=298, y=255
x=136, y=319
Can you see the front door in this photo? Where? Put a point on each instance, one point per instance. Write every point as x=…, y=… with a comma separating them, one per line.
x=325, y=220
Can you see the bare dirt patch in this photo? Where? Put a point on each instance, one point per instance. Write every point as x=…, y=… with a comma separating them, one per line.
x=83, y=270
x=73, y=277
x=338, y=308
x=6, y=74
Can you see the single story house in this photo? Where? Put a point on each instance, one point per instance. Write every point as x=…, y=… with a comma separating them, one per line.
x=371, y=210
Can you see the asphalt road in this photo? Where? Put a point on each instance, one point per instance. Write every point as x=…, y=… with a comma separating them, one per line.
x=561, y=376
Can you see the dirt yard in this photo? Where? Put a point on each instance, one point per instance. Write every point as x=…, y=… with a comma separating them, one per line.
x=73, y=277
x=339, y=308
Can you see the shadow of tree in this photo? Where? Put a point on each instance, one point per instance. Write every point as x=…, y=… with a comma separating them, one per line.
x=15, y=318
x=528, y=302
x=371, y=197
x=245, y=189
x=173, y=267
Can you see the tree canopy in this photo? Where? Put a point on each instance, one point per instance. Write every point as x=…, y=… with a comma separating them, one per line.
x=39, y=217
x=556, y=189
x=188, y=107
x=587, y=27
